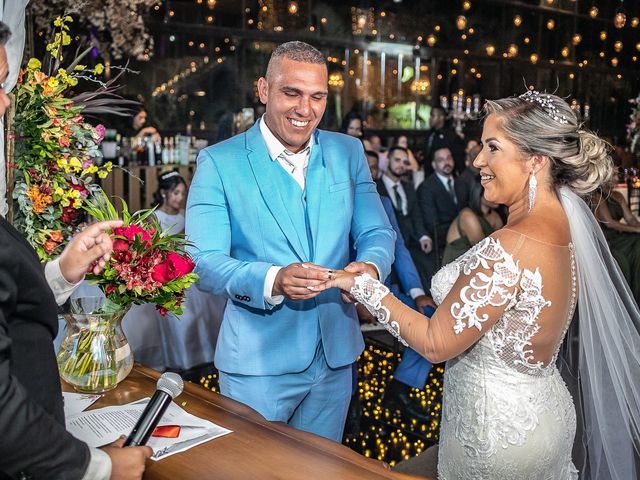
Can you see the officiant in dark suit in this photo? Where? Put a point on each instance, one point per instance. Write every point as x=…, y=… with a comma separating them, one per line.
x=441, y=197
x=34, y=443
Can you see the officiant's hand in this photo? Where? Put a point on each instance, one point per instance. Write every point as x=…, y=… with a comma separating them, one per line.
x=127, y=463
x=293, y=281
x=91, y=247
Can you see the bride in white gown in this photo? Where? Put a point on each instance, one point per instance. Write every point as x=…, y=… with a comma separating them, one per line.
x=506, y=304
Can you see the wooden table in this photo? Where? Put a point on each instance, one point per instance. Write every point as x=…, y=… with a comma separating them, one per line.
x=257, y=449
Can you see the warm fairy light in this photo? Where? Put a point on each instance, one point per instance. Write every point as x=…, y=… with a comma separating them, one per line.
x=603, y=35
x=635, y=21
x=431, y=40
x=619, y=19
x=593, y=12
x=551, y=24
x=490, y=50
x=512, y=50
x=565, y=52
x=571, y=76
x=533, y=58
x=293, y=7
x=466, y=5
x=638, y=46
x=527, y=40
x=614, y=62
x=461, y=22
x=517, y=20
x=336, y=82
x=617, y=46
x=576, y=39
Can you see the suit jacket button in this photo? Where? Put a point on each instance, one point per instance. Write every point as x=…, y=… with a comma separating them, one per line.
x=238, y=297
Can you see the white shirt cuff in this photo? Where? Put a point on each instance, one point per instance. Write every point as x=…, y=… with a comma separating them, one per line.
x=377, y=270
x=269, y=280
x=416, y=292
x=59, y=285
x=99, y=466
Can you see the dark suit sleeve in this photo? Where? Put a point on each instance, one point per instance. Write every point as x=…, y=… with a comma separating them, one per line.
x=426, y=202
x=31, y=439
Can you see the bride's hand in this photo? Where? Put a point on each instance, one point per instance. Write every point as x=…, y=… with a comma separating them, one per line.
x=339, y=279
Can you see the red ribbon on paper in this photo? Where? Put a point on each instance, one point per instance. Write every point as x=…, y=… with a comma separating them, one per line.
x=167, y=431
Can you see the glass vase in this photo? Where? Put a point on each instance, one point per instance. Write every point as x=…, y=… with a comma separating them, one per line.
x=94, y=355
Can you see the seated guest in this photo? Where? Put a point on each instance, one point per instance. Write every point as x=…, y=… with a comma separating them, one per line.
x=185, y=344
x=352, y=125
x=415, y=171
x=624, y=238
x=407, y=209
x=441, y=135
x=373, y=143
x=473, y=224
x=441, y=197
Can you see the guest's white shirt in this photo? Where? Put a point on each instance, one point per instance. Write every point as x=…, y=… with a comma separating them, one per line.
x=390, y=184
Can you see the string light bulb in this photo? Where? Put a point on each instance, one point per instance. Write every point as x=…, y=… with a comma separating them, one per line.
x=533, y=58
x=490, y=50
x=635, y=21
x=603, y=35
x=593, y=12
x=576, y=39
x=565, y=52
x=466, y=5
x=293, y=7
x=512, y=50
x=617, y=46
x=517, y=20
x=461, y=22
x=551, y=24
x=431, y=40
x=619, y=19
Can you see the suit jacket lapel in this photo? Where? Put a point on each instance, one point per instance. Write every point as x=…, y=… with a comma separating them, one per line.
x=264, y=172
x=316, y=188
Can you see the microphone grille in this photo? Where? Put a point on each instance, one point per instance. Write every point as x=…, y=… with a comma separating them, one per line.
x=170, y=383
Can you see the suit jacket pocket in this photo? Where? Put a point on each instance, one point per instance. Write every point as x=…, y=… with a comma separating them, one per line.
x=336, y=187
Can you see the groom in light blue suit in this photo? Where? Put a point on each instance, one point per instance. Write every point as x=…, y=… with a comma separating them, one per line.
x=270, y=212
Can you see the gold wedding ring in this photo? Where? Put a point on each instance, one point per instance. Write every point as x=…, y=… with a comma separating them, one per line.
x=330, y=273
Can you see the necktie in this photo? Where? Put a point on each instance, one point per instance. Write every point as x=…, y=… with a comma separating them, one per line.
x=452, y=192
x=398, y=198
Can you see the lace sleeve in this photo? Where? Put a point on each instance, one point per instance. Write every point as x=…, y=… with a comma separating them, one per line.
x=494, y=288
x=370, y=292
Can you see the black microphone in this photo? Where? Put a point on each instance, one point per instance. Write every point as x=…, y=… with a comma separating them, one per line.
x=169, y=386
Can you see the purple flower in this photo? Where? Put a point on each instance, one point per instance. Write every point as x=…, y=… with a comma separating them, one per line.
x=98, y=134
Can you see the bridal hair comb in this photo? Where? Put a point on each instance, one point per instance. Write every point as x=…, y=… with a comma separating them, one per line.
x=546, y=102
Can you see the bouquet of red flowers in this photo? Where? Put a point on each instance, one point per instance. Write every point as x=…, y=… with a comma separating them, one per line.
x=147, y=265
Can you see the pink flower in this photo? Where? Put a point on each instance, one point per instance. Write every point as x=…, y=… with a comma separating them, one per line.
x=98, y=133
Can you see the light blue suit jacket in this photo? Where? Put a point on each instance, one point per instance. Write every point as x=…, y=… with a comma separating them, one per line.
x=240, y=225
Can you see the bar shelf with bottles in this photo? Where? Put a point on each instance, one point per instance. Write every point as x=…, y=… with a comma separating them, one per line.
x=138, y=161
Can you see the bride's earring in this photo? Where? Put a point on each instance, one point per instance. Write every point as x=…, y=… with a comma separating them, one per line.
x=533, y=184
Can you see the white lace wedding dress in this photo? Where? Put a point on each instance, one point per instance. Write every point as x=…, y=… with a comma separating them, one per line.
x=506, y=414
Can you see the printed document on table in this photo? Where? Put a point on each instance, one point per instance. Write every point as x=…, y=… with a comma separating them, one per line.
x=77, y=402
x=104, y=425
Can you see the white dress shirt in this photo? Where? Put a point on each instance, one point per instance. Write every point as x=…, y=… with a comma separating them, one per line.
x=390, y=184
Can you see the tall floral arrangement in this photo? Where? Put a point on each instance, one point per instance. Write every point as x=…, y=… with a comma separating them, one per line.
x=57, y=155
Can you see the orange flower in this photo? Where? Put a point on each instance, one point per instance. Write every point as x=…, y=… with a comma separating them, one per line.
x=39, y=76
x=50, y=246
x=38, y=199
x=56, y=236
x=64, y=141
x=51, y=111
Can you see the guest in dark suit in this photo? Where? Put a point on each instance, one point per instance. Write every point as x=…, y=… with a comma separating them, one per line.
x=34, y=442
x=441, y=197
x=441, y=135
x=402, y=194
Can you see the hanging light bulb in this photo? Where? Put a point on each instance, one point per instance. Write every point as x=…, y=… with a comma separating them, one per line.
x=614, y=62
x=638, y=46
x=619, y=19
x=461, y=22
x=565, y=52
x=603, y=35
x=512, y=50
x=293, y=7
x=490, y=50
x=431, y=40
x=617, y=46
x=517, y=20
x=466, y=5
x=635, y=21
x=576, y=39
x=533, y=58
x=593, y=12
x=551, y=24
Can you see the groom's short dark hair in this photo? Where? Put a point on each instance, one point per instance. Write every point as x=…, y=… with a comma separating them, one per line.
x=296, y=51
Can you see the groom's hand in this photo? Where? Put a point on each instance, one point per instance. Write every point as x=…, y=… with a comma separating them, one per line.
x=293, y=281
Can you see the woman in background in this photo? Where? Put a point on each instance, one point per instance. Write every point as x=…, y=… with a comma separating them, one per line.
x=473, y=224
x=352, y=125
x=623, y=238
x=186, y=343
